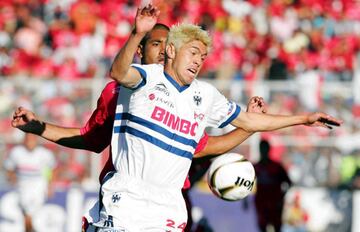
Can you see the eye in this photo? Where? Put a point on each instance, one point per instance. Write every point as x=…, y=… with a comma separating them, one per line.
x=193, y=52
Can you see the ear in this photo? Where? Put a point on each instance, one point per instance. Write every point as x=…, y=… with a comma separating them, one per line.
x=170, y=51
x=140, y=51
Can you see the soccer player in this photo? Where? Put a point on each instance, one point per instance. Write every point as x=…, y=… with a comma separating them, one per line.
x=160, y=118
x=29, y=166
x=150, y=50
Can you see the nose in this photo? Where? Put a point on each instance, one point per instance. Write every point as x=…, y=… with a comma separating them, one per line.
x=197, y=60
x=162, y=48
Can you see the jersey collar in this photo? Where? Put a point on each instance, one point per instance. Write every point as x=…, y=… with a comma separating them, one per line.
x=175, y=84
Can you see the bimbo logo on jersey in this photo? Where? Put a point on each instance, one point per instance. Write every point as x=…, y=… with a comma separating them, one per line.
x=173, y=121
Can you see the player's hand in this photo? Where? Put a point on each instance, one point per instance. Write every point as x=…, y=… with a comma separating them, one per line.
x=256, y=105
x=319, y=119
x=27, y=121
x=146, y=18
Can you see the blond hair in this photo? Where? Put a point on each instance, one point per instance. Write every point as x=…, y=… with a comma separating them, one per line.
x=181, y=34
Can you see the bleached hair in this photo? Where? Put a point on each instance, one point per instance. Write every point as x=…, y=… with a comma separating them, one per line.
x=181, y=34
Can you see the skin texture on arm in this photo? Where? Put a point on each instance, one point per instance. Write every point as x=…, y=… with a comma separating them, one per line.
x=27, y=121
x=253, y=122
x=121, y=71
x=99, y=125
x=217, y=145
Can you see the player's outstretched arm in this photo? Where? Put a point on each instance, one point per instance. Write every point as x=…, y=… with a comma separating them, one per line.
x=28, y=122
x=253, y=122
x=217, y=145
x=121, y=71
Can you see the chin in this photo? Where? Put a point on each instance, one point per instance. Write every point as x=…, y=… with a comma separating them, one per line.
x=190, y=81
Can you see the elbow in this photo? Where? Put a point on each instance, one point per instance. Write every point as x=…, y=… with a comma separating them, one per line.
x=249, y=129
x=119, y=76
x=114, y=74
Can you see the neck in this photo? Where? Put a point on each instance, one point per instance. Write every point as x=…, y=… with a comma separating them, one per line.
x=171, y=72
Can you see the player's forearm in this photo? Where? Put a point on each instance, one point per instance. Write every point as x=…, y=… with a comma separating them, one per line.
x=121, y=65
x=218, y=145
x=253, y=122
x=274, y=122
x=68, y=137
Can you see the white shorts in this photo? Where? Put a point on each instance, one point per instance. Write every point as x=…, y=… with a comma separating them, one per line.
x=32, y=197
x=132, y=205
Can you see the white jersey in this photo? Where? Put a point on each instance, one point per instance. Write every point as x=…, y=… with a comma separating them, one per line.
x=30, y=166
x=158, y=125
x=31, y=169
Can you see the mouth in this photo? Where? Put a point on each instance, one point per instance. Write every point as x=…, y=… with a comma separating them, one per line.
x=161, y=60
x=192, y=71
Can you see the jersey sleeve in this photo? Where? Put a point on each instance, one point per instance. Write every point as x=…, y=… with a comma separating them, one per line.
x=143, y=74
x=98, y=129
x=145, y=70
x=223, y=111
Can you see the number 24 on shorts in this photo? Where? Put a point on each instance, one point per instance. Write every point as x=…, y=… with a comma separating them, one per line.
x=170, y=223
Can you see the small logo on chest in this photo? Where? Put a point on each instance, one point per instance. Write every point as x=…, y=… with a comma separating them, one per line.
x=161, y=87
x=116, y=197
x=197, y=98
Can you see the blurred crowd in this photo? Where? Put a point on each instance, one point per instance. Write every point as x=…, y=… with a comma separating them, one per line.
x=65, y=46
x=276, y=39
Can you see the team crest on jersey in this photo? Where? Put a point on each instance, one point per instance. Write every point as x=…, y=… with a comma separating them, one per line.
x=116, y=197
x=197, y=98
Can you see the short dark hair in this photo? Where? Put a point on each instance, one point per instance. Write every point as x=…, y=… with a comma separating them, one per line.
x=157, y=26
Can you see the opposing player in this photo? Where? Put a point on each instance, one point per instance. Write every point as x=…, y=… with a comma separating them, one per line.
x=158, y=127
x=29, y=167
x=151, y=50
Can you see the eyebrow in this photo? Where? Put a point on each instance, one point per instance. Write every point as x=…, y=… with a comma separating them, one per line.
x=156, y=40
x=198, y=49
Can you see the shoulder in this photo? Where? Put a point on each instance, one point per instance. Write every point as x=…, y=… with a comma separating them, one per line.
x=204, y=87
x=110, y=88
x=149, y=68
x=110, y=92
x=203, y=84
x=18, y=149
x=156, y=71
